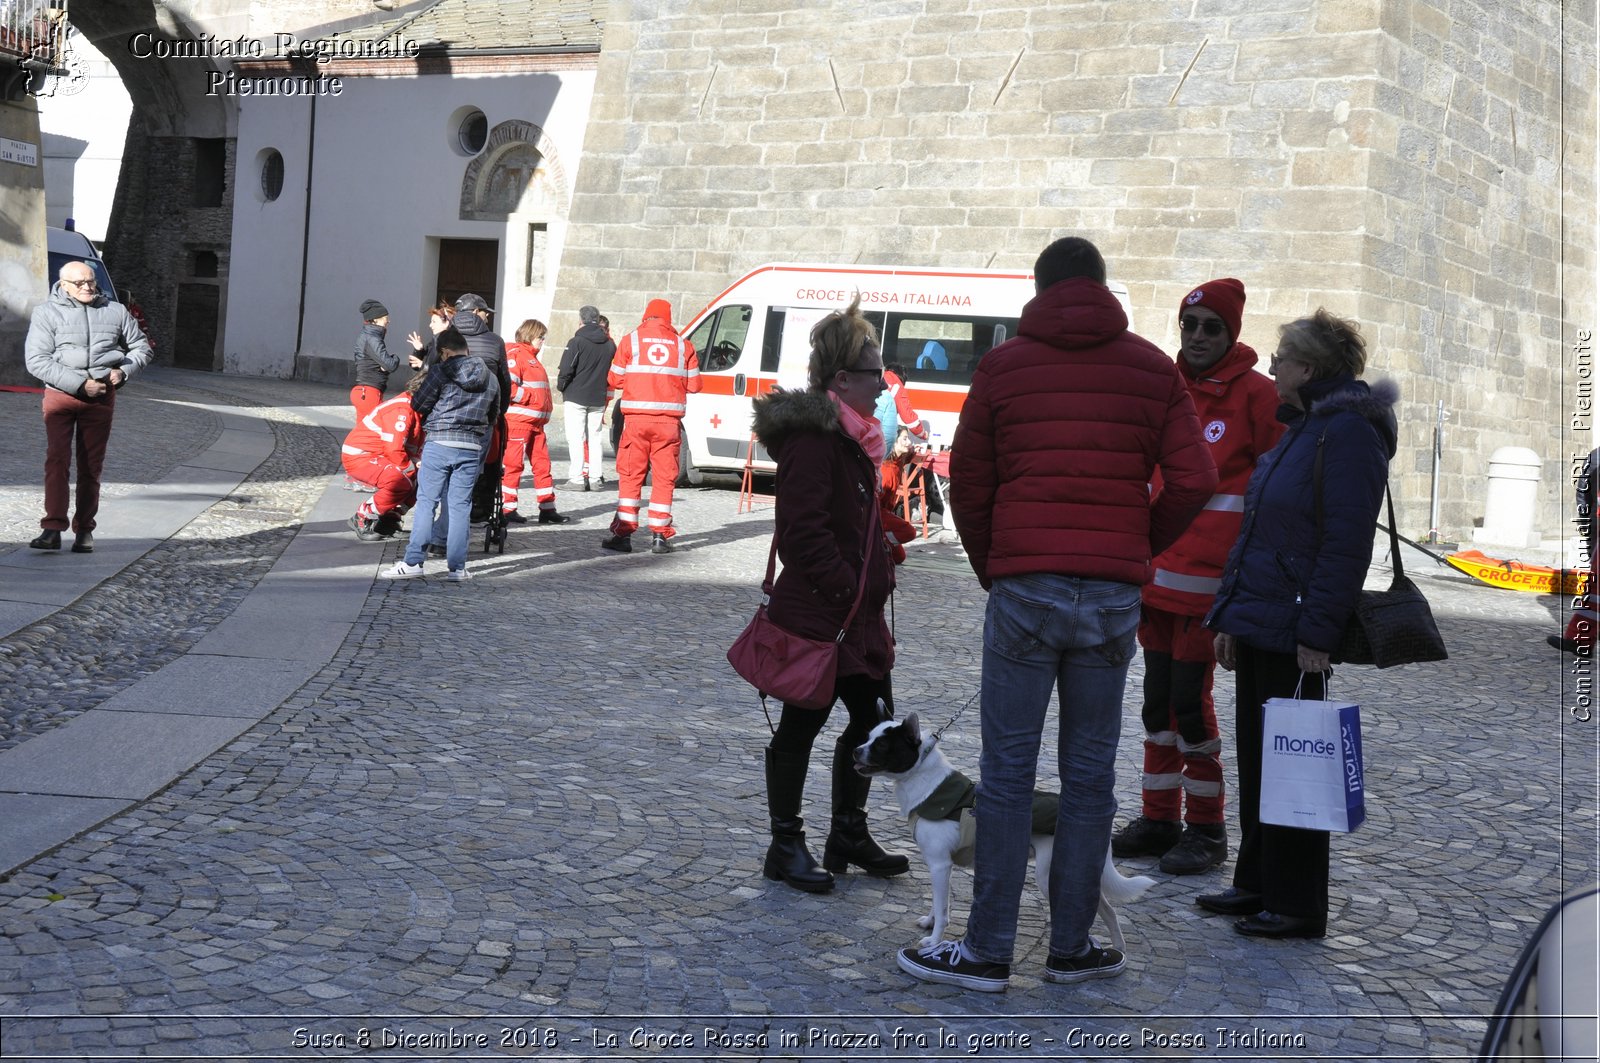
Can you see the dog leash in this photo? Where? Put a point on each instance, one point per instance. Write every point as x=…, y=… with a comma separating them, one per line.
x=940, y=732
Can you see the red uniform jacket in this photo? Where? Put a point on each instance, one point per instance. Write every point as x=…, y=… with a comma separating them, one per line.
x=1238, y=411
x=392, y=429
x=530, y=384
x=655, y=369
x=1060, y=435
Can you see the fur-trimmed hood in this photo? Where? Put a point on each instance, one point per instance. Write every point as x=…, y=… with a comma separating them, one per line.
x=782, y=414
x=1375, y=402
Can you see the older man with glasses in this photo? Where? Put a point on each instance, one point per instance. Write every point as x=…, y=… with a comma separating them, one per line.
x=82, y=346
x=1181, y=820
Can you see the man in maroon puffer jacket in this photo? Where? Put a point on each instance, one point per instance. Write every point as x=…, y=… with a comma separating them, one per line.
x=1061, y=435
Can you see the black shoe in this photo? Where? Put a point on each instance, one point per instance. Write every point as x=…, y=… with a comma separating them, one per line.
x=1268, y=925
x=945, y=962
x=1231, y=901
x=1564, y=644
x=849, y=843
x=387, y=525
x=660, y=544
x=513, y=517
x=550, y=516
x=1096, y=963
x=622, y=544
x=84, y=543
x=1146, y=837
x=788, y=860
x=435, y=550
x=1202, y=847
x=587, y=486
x=49, y=539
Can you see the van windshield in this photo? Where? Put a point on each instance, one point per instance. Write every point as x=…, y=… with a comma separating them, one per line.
x=942, y=348
x=101, y=277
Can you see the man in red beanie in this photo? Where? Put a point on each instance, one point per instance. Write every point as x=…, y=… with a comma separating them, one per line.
x=1182, y=745
x=656, y=370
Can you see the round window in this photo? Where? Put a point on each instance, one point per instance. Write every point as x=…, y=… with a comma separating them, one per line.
x=271, y=175
x=473, y=132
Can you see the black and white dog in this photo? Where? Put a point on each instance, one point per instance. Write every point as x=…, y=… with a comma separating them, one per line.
x=936, y=799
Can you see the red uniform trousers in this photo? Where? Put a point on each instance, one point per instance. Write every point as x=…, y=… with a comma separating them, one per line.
x=1182, y=747
x=364, y=397
x=86, y=422
x=648, y=443
x=394, y=491
x=525, y=440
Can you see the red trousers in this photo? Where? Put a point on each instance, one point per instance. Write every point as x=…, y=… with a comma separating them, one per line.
x=364, y=397
x=1182, y=746
x=86, y=422
x=525, y=440
x=392, y=486
x=648, y=444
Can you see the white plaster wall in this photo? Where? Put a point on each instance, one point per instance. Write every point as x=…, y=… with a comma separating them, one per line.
x=386, y=187
x=82, y=187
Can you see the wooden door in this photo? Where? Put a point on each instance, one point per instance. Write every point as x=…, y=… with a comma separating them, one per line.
x=469, y=266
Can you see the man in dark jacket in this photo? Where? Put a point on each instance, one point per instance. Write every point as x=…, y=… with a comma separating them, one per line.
x=82, y=347
x=472, y=321
x=581, y=380
x=1062, y=432
x=374, y=363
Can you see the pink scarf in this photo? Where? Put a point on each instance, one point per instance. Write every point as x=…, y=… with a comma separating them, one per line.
x=868, y=432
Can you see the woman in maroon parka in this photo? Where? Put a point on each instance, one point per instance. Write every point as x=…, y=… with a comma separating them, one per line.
x=828, y=444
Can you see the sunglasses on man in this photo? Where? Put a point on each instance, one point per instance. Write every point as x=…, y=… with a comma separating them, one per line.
x=1211, y=326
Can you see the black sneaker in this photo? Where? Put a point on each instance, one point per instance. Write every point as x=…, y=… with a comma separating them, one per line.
x=1146, y=837
x=1096, y=963
x=1202, y=847
x=435, y=550
x=622, y=544
x=513, y=517
x=550, y=516
x=660, y=544
x=946, y=963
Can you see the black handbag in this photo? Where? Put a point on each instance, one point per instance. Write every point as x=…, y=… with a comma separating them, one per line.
x=1389, y=627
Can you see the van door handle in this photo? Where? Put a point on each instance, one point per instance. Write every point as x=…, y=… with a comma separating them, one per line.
x=738, y=383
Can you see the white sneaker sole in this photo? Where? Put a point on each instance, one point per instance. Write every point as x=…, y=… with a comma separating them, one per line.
x=1068, y=977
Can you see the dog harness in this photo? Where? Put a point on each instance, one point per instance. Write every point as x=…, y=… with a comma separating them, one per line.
x=957, y=797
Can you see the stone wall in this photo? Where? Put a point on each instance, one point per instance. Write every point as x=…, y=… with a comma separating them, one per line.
x=1405, y=162
x=24, y=265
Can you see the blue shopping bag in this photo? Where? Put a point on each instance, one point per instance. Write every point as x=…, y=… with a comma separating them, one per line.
x=1311, y=767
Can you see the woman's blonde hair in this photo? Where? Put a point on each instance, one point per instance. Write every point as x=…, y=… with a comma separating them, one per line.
x=1330, y=345
x=837, y=342
x=531, y=331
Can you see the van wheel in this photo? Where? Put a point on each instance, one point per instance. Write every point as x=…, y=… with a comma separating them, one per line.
x=688, y=474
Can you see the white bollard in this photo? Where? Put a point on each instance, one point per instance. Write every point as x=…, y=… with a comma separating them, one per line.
x=1513, y=496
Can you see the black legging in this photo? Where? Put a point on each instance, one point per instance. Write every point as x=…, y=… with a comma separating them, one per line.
x=798, y=728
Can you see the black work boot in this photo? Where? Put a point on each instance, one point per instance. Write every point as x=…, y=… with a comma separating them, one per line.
x=848, y=841
x=788, y=859
x=622, y=544
x=1146, y=837
x=49, y=539
x=1202, y=847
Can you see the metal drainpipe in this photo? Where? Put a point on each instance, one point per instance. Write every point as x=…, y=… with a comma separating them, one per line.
x=305, y=232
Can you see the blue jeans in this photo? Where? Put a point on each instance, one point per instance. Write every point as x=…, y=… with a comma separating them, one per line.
x=444, y=474
x=1077, y=635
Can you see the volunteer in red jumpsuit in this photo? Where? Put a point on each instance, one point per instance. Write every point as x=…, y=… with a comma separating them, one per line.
x=526, y=417
x=656, y=370
x=381, y=452
x=1181, y=819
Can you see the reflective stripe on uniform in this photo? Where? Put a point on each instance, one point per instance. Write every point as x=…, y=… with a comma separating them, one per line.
x=633, y=406
x=1226, y=503
x=348, y=449
x=1201, y=787
x=1162, y=780
x=1178, y=581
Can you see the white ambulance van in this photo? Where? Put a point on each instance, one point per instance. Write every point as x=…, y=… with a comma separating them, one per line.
x=756, y=336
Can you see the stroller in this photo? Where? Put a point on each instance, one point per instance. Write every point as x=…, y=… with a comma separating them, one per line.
x=488, y=508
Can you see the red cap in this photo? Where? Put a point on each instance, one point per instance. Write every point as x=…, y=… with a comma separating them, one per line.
x=659, y=308
x=1224, y=297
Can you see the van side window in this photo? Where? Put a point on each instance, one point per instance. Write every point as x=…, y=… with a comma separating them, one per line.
x=943, y=348
x=772, y=339
x=720, y=339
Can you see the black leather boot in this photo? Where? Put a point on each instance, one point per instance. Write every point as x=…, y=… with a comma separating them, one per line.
x=848, y=841
x=788, y=859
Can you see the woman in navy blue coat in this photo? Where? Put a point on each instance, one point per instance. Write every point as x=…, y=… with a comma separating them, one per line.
x=1289, y=586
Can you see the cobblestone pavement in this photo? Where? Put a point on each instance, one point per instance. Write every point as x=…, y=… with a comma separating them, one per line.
x=529, y=809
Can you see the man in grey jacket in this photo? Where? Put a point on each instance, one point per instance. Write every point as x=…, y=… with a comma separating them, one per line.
x=82, y=347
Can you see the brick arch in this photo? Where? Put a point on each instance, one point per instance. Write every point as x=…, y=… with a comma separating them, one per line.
x=518, y=163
